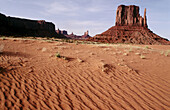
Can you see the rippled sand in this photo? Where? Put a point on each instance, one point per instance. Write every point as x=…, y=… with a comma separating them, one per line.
x=96, y=77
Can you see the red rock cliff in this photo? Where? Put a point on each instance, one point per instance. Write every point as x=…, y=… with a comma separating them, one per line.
x=12, y=26
x=129, y=16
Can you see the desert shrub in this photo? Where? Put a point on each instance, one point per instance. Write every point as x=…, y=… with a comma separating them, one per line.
x=146, y=47
x=3, y=37
x=58, y=55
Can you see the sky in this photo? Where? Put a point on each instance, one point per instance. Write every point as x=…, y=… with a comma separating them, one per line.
x=97, y=16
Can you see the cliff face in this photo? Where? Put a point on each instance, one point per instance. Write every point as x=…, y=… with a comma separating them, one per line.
x=129, y=16
x=129, y=27
x=23, y=27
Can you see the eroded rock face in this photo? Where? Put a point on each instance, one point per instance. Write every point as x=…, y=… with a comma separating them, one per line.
x=12, y=26
x=130, y=28
x=129, y=16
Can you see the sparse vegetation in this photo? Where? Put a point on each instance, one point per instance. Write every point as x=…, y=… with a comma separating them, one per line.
x=105, y=67
x=58, y=55
x=3, y=37
x=65, y=58
x=142, y=57
x=162, y=52
x=167, y=53
x=146, y=47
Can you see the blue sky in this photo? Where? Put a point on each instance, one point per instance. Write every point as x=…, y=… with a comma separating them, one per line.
x=94, y=15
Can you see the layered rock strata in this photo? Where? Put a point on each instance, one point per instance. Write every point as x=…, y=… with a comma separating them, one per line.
x=129, y=16
x=129, y=27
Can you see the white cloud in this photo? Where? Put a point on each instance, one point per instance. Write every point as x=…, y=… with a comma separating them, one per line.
x=94, y=9
x=61, y=8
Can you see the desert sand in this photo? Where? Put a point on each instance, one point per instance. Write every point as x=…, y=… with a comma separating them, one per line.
x=85, y=77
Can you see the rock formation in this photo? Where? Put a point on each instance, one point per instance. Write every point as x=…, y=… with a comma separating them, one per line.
x=129, y=27
x=145, y=20
x=12, y=26
x=72, y=35
x=63, y=32
x=86, y=35
x=129, y=16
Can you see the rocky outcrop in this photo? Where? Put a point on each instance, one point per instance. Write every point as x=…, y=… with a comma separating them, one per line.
x=63, y=32
x=86, y=35
x=130, y=27
x=129, y=16
x=12, y=26
x=72, y=35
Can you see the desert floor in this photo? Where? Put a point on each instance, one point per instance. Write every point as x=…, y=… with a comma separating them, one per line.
x=86, y=76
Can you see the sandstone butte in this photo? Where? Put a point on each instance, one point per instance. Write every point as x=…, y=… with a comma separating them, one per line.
x=11, y=26
x=129, y=27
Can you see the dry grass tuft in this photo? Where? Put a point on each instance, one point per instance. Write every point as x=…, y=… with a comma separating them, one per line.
x=142, y=57
x=167, y=53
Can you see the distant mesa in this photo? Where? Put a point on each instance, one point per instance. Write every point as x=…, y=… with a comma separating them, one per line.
x=72, y=35
x=11, y=26
x=129, y=27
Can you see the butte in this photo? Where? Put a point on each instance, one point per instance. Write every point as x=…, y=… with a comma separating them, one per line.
x=130, y=27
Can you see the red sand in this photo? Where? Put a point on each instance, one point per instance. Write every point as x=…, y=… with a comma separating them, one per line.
x=91, y=77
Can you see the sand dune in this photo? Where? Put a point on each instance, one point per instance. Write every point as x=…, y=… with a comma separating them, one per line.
x=95, y=77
